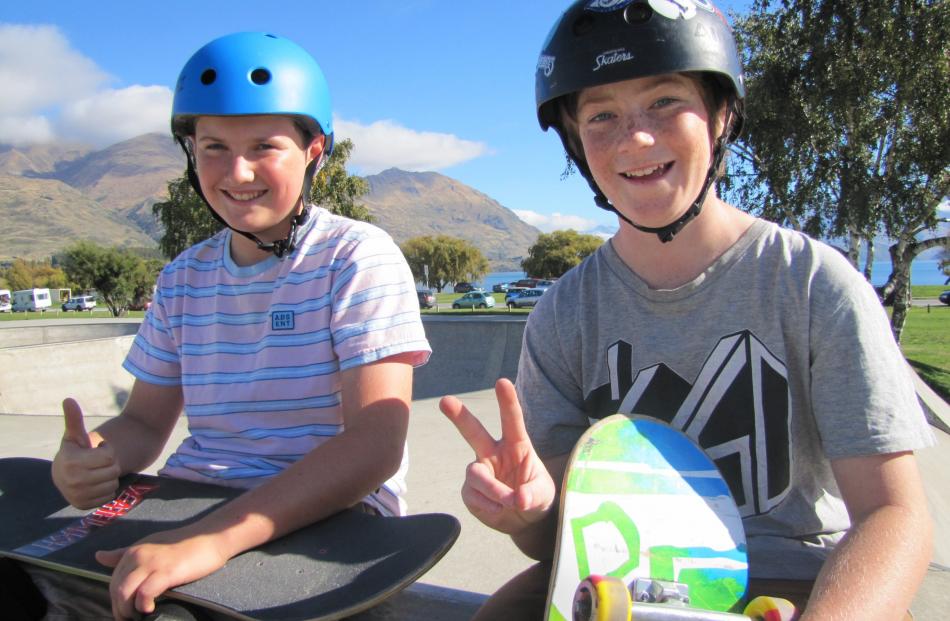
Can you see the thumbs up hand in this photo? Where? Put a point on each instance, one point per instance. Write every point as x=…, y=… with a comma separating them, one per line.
x=85, y=469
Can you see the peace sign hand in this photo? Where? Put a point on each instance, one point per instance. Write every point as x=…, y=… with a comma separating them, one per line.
x=507, y=487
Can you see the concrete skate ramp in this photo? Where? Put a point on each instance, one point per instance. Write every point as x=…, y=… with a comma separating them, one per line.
x=468, y=354
x=44, y=361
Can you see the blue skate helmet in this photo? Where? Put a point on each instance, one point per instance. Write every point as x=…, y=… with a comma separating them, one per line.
x=597, y=42
x=254, y=73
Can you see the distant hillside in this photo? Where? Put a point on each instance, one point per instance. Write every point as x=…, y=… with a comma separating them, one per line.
x=54, y=195
x=39, y=217
x=410, y=205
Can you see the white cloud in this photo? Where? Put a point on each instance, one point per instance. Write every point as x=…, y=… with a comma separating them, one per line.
x=38, y=68
x=111, y=116
x=24, y=130
x=52, y=92
x=386, y=144
x=555, y=221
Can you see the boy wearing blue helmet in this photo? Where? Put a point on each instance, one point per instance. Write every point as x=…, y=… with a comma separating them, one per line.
x=288, y=338
x=761, y=344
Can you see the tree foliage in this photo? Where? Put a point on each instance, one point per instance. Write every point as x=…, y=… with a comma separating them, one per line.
x=29, y=274
x=185, y=218
x=116, y=274
x=556, y=252
x=848, y=122
x=448, y=259
x=338, y=191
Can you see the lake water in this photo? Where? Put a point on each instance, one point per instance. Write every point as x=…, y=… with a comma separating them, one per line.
x=922, y=272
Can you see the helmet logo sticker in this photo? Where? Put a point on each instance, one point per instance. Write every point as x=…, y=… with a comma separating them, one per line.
x=674, y=9
x=605, y=6
x=546, y=65
x=612, y=57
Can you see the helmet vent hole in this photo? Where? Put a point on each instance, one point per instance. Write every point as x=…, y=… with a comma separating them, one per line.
x=260, y=76
x=583, y=25
x=637, y=13
x=208, y=76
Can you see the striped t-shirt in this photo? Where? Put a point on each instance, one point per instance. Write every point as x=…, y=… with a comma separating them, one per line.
x=258, y=350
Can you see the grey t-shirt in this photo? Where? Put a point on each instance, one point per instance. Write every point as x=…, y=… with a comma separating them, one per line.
x=775, y=360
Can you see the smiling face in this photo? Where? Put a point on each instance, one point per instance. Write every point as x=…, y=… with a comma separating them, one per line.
x=251, y=170
x=648, y=143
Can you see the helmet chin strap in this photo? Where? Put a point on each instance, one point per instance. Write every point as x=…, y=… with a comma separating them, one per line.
x=281, y=246
x=668, y=232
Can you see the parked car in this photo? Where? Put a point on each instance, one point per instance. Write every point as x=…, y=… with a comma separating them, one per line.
x=5, y=305
x=80, y=303
x=501, y=287
x=522, y=299
x=426, y=298
x=475, y=299
x=463, y=287
x=945, y=297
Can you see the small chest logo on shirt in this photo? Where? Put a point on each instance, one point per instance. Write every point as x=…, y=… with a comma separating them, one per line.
x=282, y=320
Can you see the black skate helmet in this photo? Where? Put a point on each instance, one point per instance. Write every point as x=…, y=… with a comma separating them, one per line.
x=250, y=73
x=598, y=42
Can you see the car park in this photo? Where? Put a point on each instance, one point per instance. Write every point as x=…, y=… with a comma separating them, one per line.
x=475, y=299
x=523, y=299
x=945, y=297
x=426, y=298
x=80, y=303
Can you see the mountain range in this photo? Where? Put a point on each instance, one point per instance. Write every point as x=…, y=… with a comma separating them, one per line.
x=54, y=195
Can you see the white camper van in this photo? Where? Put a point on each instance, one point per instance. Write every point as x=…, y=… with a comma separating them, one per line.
x=31, y=300
x=5, y=304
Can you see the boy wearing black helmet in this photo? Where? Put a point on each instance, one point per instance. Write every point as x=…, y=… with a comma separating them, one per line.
x=288, y=338
x=763, y=345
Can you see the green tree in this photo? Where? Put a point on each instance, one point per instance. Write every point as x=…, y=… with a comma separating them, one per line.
x=945, y=258
x=447, y=259
x=110, y=271
x=19, y=275
x=143, y=280
x=848, y=126
x=185, y=217
x=338, y=191
x=556, y=252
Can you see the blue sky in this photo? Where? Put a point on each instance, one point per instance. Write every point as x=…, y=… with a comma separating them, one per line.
x=417, y=84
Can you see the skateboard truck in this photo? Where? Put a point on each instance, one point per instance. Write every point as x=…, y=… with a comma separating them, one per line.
x=606, y=598
x=652, y=591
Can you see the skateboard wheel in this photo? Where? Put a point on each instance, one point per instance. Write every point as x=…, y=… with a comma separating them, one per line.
x=765, y=608
x=601, y=598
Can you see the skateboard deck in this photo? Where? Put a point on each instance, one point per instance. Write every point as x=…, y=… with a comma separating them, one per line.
x=328, y=570
x=642, y=504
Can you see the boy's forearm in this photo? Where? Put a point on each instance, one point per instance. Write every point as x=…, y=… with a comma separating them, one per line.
x=537, y=541
x=876, y=569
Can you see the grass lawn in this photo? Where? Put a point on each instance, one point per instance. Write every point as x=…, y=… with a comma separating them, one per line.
x=926, y=345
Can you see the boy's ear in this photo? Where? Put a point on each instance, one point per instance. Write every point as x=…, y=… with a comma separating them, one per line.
x=316, y=147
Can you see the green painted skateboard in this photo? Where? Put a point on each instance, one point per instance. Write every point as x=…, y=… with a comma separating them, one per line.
x=646, y=523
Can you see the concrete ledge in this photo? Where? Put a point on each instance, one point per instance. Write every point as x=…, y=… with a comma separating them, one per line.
x=47, y=331
x=468, y=354
x=36, y=378
x=936, y=409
